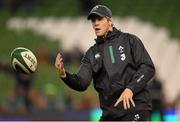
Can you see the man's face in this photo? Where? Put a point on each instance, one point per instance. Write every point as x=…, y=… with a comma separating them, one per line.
x=101, y=25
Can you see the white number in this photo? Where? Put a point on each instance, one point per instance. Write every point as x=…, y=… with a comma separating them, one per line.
x=123, y=57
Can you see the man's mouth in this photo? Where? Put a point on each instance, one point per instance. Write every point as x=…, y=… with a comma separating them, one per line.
x=97, y=29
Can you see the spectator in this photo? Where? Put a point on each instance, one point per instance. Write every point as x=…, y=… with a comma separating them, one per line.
x=22, y=86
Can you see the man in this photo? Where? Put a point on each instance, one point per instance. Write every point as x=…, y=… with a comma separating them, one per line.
x=120, y=68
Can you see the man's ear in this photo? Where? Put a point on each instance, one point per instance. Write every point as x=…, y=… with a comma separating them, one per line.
x=110, y=21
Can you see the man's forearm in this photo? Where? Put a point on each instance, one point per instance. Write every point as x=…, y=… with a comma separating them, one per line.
x=75, y=82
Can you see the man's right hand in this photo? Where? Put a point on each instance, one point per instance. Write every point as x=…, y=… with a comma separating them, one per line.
x=59, y=66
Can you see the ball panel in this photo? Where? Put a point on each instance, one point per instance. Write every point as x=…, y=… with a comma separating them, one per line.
x=17, y=53
x=19, y=69
x=15, y=62
x=30, y=60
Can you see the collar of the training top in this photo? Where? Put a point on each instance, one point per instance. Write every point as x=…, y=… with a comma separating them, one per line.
x=109, y=36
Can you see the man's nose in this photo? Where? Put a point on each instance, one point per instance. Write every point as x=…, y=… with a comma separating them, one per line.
x=96, y=22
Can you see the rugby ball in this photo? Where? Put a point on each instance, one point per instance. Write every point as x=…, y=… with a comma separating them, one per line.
x=23, y=60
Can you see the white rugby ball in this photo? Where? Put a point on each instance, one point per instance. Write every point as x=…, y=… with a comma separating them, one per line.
x=23, y=60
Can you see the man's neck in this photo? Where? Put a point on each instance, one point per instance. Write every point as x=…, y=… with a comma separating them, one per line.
x=110, y=30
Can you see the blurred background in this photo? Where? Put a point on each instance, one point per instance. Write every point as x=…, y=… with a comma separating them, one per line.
x=50, y=26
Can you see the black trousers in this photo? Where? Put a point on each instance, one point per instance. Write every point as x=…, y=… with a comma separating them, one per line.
x=139, y=115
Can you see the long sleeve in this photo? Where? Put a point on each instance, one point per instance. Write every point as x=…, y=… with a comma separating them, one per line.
x=145, y=67
x=82, y=79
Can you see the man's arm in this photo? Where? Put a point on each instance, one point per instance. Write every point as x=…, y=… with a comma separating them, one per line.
x=144, y=64
x=145, y=71
x=79, y=81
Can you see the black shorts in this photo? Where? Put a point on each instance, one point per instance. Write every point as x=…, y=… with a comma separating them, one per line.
x=139, y=115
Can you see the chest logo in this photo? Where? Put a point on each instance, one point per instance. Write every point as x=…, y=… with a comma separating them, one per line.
x=122, y=53
x=121, y=49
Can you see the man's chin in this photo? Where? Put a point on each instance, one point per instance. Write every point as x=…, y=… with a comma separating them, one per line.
x=99, y=35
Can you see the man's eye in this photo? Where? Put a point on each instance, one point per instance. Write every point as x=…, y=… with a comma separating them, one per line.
x=93, y=20
x=99, y=19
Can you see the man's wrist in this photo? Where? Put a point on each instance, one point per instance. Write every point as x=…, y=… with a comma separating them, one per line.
x=63, y=75
x=130, y=88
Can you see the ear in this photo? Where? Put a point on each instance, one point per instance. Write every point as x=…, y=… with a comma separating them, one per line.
x=110, y=21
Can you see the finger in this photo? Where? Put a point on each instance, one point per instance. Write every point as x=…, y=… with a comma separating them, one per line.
x=127, y=102
x=58, y=63
x=60, y=56
x=124, y=104
x=62, y=66
x=60, y=59
x=118, y=101
x=132, y=102
x=57, y=58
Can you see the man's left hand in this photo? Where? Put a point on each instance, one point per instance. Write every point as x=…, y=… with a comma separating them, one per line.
x=126, y=98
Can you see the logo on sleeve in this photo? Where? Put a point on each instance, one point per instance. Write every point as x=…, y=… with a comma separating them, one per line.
x=122, y=54
x=97, y=55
